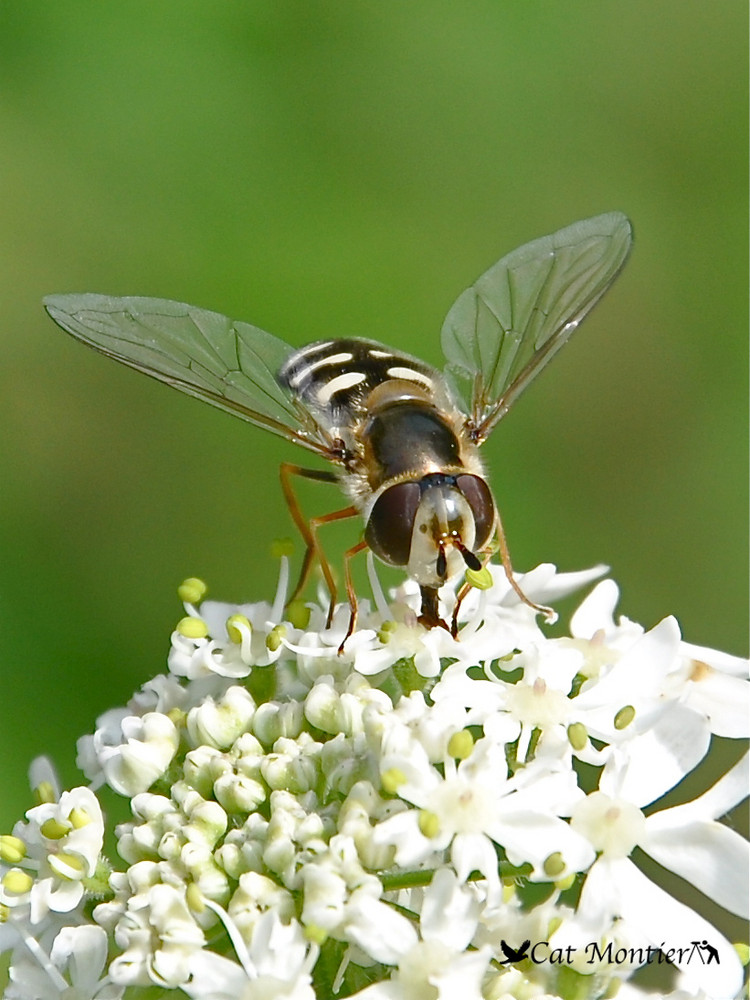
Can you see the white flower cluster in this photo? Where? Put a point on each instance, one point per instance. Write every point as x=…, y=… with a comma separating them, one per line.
x=421, y=816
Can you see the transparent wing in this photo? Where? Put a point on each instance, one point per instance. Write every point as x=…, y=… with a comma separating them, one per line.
x=504, y=329
x=230, y=364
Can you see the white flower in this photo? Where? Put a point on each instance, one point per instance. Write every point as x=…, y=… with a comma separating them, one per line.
x=476, y=803
x=157, y=938
x=275, y=964
x=714, y=684
x=684, y=839
x=219, y=723
x=419, y=812
x=160, y=695
x=434, y=962
x=73, y=969
x=82, y=951
x=62, y=843
x=404, y=641
x=131, y=751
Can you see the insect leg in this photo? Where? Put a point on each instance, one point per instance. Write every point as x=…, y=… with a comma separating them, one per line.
x=462, y=592
x=508, y=567
x=325, y=566
x=350, y=592
x=309, y=529
x=286, y=470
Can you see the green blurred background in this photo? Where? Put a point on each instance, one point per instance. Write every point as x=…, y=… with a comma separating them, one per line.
x=326, y=169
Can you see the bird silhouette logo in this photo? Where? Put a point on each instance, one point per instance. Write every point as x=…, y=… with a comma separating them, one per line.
x=515, y=954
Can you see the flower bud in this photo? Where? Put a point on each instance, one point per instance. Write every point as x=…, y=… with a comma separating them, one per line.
x=219, y=723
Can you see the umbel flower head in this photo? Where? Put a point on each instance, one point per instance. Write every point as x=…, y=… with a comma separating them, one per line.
x=421, y=817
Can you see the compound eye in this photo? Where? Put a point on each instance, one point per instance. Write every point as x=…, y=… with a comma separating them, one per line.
x=391, y=522
x=479, y=498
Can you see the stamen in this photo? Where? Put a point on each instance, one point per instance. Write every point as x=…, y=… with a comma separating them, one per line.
x=277, y=611
x=58, y=980
x=377, y=591
x=235, y=937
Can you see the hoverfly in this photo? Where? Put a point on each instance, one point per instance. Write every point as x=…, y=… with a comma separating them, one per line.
x=403, y=436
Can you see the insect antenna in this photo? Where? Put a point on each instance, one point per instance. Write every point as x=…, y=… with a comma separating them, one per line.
x=471, y=559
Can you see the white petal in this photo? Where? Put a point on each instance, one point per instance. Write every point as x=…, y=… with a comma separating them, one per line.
x=596, y=611
x=402, y=831
x=709, y=855
x=725, y=662
x=84, y=950
x=464, y=976
x=474, y=852
x=659, y=758
x=449, y=911
x=215, y=978
x=544, y=583
x=533, y=837
x=724, y=699
x=637, y=677
x=42, y=772
x=729, y=791
x=669, y=924
x=378, y=929
x=599, y=901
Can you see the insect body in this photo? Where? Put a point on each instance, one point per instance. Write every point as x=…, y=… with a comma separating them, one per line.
x=403, y=436
x=409, y=467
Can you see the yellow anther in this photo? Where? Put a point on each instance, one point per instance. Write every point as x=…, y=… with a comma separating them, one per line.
x=577, y=735
x=479, y=578
x=298, y=614
x=79, y=818
x=701, y=671
x=192, y=628
x=392, y=779
x=318, y=935
x=428, y=823
x=233, y=627
x=273, y=640
x=68, y=866
x=192, y=590
x=624, y=717
x=53, y=829
x=194, y=898
x=554, y=865
x=17, y=882
x=12, y=849
x=461, y=744
x=44, y=793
